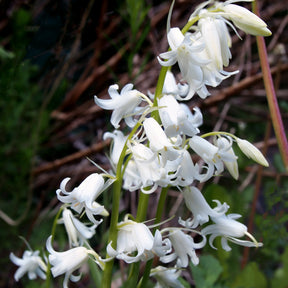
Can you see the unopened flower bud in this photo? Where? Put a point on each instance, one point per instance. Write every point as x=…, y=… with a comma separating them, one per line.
x=246, y=20
x=252, y=152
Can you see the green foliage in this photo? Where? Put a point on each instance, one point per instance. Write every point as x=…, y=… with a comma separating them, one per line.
x=280, y=278
x=135, y=14
x=207, y=272
x=23, y=122
x=250, y=277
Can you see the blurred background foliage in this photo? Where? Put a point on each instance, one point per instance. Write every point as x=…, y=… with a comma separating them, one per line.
x=55, y=55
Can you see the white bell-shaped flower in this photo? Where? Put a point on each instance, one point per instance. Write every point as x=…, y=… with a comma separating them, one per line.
x=183, y=51
x=184, y=248
x=171, y=87
x=228, y=228
x=30, y=263
x=216, y=40
x=123, y=104
x=177, y=118
x=158, y=140
x=185, y=172
x=227, y=154
x=119, y=140
x=131, y=177
x=67, y=262
x=77, y=231
x=213, y=75
x=134, y=238
x=200, y=209
x=149, y=167
x=166, y=277
x=214, y=156
x=83, y=197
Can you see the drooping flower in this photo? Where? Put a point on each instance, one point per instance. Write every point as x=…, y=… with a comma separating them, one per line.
x=177, y=118
x=149, y=168
x=119, y=140
x=123, y=104
x=67, y=262
x=158, y=140
x=185, y=170
x=217, y=39
x=227, y=154
x=171, y=87
x=228, y=228
x=199, y=207
x=214, y=156
x=184, y=248
x=131, y=178
x=136, y=238
x=184, y=52
x=30, y=263
x=77, y=231
x=166, y=277
x=83, y=197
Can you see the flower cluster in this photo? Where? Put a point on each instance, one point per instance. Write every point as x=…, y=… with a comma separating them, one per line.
x=165, y=148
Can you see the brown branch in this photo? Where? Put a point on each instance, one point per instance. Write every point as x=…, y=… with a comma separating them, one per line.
x=71, y=158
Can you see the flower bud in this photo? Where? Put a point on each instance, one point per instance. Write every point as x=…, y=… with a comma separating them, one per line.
x=246, y=20
x=252, y=152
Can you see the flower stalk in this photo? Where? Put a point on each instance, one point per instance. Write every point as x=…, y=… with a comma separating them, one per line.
x=271, y=96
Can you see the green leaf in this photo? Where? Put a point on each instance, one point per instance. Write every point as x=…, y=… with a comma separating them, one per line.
x=280, y=278
x=207, y=272
x=250, y=277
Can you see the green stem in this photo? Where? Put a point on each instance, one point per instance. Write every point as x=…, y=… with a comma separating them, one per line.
x=271, y=96
x=164, y=69
x=53, y=232
x=159, y=213
x=107, y=273
x=140, y=217
x=117, y=185
x=142, y=207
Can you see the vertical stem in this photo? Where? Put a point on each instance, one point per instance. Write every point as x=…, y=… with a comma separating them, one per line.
x=159, y=212
x=117, y=185
x=140, y=217
x=271, y=97
x=107, y=273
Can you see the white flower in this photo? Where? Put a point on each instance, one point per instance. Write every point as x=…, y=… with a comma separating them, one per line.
x=200, y=209
x=171, y=87
x=184, y=248
x=177, y=118
x=166, y=277
x=217, y=39
x=77, y=231
x=227, y=154
x=251, y=151
x=229, y=229
x=119, y=140
x=66, y=262
x=244, y=19
x=123, y=104
x=131, y=177
x=30, y=263
x=185, y=170
x=183, y=51
x=214, y=156
x=148, y=167
x=136, y=238
x=158, y=140
x=83, y=196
